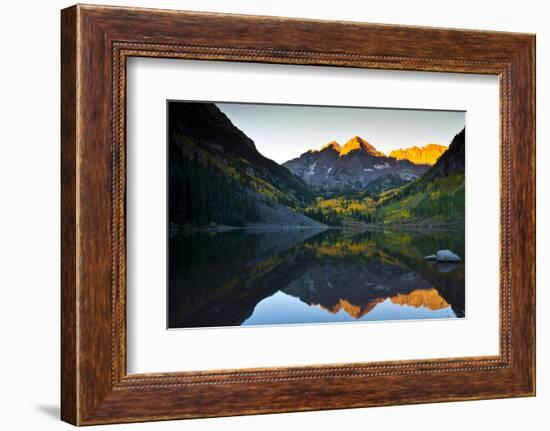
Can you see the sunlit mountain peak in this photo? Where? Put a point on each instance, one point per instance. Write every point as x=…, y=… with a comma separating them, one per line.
x=426, y=155
x=332, y=145
x=358, y=143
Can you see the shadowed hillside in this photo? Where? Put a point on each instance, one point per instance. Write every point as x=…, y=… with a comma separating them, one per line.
x=217, y=176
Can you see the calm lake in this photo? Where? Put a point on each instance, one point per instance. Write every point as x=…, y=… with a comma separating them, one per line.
x=272, y=277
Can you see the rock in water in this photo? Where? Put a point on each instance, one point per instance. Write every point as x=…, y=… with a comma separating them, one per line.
x=447, y=256
x=431, y=257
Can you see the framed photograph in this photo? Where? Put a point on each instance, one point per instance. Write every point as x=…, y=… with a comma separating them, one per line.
x=264, y=214
x=341, y=233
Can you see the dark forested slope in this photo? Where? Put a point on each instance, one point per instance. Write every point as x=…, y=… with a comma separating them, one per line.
x=217, y=176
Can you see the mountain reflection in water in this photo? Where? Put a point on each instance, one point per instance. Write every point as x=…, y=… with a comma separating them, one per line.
x=244, y=277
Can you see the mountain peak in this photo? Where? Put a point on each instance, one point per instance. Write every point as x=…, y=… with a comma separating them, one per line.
x=333, y=145
x=358, y=143
x=426, y=155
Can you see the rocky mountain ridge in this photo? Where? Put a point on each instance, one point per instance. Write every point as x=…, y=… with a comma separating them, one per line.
x=351, y=167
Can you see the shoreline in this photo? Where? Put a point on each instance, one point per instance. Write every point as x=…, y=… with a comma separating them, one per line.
x=376, y=227
x=174, y=230
x=415, y=226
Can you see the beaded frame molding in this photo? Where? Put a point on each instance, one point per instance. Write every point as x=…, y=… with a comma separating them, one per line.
x=95, y=43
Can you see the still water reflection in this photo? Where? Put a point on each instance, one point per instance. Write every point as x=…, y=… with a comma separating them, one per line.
x=244, y=277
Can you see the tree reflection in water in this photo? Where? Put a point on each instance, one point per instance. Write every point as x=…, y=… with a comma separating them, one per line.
x=244, y=277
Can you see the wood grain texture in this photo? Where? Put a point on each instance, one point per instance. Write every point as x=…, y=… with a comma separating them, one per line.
x=69, y=397
x=96, y=41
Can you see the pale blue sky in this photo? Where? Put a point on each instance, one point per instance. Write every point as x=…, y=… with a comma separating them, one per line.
x=282, y=132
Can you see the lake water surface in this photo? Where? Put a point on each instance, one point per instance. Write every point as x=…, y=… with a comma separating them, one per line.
x=272, y=277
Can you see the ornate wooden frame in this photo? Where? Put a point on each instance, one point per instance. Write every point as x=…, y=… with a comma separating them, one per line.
x=95, y=43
